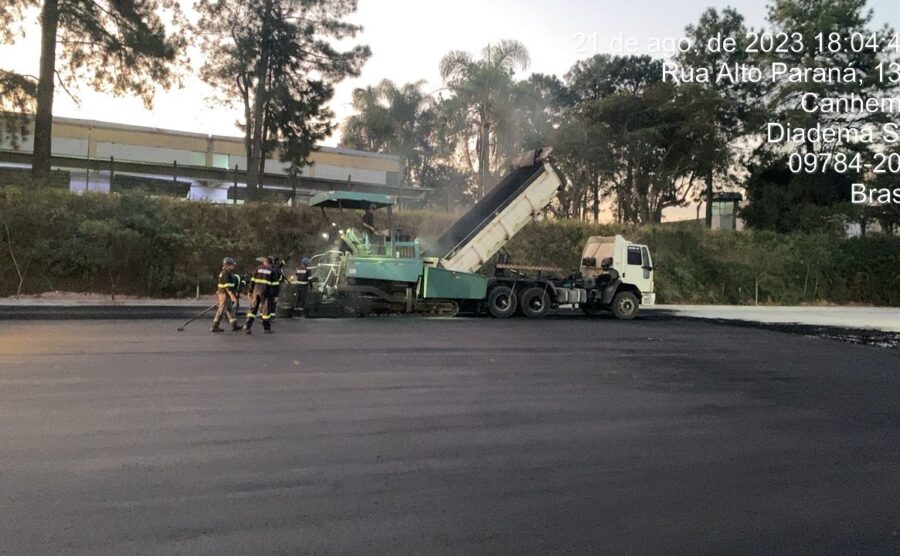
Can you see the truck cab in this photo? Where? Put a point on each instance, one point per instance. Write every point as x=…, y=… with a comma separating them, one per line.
x=631, y=263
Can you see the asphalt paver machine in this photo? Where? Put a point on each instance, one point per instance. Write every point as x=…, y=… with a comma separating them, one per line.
x=390, y=273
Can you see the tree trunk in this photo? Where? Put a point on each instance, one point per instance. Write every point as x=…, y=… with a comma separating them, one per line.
x=43, y=121
x=484, y=156
x=259, y=105
x=709, y=198
x=262, y=157
x=625, y=211
x=245, y=91
x=595, y=186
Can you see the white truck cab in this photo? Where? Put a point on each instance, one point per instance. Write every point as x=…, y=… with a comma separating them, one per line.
x=615, y=257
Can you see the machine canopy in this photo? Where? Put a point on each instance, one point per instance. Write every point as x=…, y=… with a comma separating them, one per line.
x=350, y=200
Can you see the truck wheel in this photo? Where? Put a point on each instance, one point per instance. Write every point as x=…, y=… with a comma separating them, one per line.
x=501, y=302
x=535, y=303
x=625, y=305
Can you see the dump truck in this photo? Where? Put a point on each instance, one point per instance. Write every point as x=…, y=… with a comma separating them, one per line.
x=615, y=276
x=364, y=274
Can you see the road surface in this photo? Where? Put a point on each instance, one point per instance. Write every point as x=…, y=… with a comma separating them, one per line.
x=457, y=436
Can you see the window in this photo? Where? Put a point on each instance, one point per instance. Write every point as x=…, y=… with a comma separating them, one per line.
x=634, y=255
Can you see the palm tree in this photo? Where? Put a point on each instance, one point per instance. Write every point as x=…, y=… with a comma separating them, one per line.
x=482, y=90
x=391, y=119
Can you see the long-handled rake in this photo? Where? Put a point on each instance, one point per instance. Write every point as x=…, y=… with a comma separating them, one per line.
x=181, y=328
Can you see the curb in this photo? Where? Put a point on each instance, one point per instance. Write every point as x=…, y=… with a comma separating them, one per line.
x=98, y=312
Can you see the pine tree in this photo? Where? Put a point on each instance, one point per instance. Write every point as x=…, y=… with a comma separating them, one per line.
x=274, y=58
x=119, y=47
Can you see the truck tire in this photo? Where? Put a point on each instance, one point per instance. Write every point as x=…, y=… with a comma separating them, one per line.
x=535, y=303
x=625, y=305
x=501, y=302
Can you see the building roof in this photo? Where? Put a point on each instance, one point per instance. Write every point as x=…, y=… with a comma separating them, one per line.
x=727, y=196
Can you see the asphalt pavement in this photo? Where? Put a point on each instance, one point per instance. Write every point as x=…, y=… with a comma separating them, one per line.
x=445, y=436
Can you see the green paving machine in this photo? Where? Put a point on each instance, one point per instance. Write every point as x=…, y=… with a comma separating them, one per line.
x=368, y=273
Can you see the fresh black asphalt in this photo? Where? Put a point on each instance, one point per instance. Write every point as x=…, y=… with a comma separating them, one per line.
x=456, y=436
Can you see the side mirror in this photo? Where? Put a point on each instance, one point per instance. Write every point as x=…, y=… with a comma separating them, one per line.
x=648, y=268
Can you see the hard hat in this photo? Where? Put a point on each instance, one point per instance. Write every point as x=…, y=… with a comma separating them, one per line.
x=228, y=261
x=304, y=261
x=372, y=206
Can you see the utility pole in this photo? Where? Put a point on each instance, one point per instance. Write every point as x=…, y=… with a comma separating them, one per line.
x=87, y=177
x=292, y=173
x=235, y=184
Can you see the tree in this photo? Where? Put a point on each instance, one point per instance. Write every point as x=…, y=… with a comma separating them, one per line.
x=603, y=75
x=631, y=134
x=396, y=120
x=784, y=202
x=729, y=106
x=649, y=133
x=844, y=18
x=118, y=47
x=588, y=148
x=275, y=59
x=537, y=107
x=17, y=94
x=583, y=150
x=482, y=92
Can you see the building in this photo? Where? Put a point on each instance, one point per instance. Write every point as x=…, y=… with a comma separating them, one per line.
x=725, y=211
x=103, y=156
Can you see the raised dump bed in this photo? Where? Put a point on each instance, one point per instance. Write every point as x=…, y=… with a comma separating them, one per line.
x=480, y=233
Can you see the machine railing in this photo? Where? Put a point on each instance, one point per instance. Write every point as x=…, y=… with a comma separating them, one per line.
x=379, y=245
x=326, y=269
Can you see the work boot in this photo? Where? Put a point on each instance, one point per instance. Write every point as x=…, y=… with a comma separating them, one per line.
x=267, y=331
x=235, y=327
x=247, y=331
x=216, y=328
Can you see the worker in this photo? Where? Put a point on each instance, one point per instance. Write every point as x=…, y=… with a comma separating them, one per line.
x=275, y=291
x=264, y=283
x=303, y=276
x=227, y=292
x=368, y=220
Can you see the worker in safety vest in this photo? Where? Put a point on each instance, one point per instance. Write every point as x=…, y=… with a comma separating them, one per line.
x=264, y=283
x=303, y=276
x=227, y=292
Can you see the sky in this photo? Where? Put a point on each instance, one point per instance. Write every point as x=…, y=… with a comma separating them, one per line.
x=408, y=39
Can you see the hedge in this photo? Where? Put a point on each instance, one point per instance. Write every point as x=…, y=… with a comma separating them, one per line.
x=139, y=245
